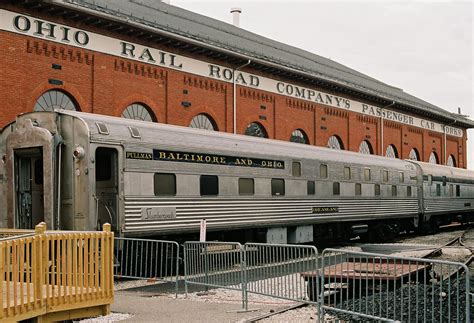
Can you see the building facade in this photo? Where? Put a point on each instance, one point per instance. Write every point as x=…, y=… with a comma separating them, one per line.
x=159, y=63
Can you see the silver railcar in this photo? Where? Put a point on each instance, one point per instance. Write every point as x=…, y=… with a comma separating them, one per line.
x=76, y=171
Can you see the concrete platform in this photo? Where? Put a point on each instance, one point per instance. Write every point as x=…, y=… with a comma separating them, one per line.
x=167, y=309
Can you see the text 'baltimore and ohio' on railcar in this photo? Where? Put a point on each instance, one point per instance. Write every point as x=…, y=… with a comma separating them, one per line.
x=76, y=171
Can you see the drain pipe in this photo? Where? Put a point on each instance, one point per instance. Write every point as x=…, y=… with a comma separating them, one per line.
x=445, y=145
x=234, y=94
x=381, y=126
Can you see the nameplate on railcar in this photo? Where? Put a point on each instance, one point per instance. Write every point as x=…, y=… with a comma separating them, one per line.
x=138, y=155
x=325, y=209
x=158, y=213
x=208, y=159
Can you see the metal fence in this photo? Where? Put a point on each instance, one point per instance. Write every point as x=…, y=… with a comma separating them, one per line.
x=147, y=259
x=273, y=270
x=364, y=286
x=280, y=270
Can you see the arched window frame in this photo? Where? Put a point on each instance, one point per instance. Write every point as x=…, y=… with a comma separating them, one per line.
x=391, y=151
x=451, y=161
x=56, y=99
x=299, y=136
x=414, y=155
x=335, y=142
x=139, y=111
x=203, y=121
x=256, y=129
x=366, y=148
x=433, y=159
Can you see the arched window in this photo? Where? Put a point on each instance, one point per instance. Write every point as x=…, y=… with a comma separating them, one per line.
x=54, y=99
x=255, y=129
x=138, y=111
x=203, y=121
x=451, y=161
x=414, y=154
x=299, y=136
x=433, y=158
x=365, y=148
x=391, y=152
x=335, y=142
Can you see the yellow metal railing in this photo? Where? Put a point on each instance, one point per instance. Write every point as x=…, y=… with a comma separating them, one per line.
x=49, y=273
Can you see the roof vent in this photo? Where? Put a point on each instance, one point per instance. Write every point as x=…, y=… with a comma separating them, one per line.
x=236, y=16
x=102, y=128
x=134, y=132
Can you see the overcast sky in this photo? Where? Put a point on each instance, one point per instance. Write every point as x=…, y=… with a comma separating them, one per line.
x=423, y=47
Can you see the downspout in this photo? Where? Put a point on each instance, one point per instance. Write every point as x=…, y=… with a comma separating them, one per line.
x=234, y=94
x=381, y=126
x=445, y=145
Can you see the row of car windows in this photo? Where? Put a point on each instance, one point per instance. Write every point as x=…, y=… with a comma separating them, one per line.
x=324, y=173
x=165, y=185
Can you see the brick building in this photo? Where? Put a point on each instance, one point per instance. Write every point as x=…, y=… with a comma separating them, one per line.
x=148, y=60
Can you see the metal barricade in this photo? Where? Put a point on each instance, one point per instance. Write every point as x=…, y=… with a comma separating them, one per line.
x=147, y=259
x=281, y=270
x=216, y=265
x=364, y=286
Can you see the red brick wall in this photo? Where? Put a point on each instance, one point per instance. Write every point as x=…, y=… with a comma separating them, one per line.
x=105, y=84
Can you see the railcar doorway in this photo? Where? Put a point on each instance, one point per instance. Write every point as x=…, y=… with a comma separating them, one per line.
x=29, y=187
x=106, y=186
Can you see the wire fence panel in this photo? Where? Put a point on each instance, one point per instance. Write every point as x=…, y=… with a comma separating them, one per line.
x=365, y=286
x=213, y=264
x=281, y=270
x=146, y=259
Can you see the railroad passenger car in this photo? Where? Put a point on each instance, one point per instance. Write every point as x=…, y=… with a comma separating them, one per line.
x=77, y=171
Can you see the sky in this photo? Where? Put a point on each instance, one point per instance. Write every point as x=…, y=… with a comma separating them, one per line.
x=422, y=47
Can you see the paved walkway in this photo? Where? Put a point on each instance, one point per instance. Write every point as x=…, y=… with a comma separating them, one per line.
x=147, y=308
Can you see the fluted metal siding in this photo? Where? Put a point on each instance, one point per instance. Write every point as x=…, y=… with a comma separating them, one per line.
x=222, y=213
x=448, y=205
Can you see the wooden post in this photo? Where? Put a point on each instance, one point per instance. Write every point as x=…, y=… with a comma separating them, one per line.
x=106, y=227
x=38, y=285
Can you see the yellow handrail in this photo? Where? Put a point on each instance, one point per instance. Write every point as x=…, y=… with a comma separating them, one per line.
x=55, y=272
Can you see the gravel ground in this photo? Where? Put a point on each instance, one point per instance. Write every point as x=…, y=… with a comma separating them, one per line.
x=112, y=317
x=432, y=239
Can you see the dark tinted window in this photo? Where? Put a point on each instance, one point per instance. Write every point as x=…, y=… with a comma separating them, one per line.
x=311, y=188
x=39, y=172
x=438, y=189
x=394, y=190
x=336, y=188
x=408, y=190
x=385, y=175
x=246, y=186
x=458, y=190
x=165, y=184
x=296, y=169
x=347, y=173
x=103, y=164
x=278, y=186
x=358, y=189
x=377, y=190
x=367, y=174
x=209, y=185
x=323, y=171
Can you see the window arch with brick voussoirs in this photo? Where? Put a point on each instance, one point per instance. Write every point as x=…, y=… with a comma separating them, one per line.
x=139, y=111
x=55, y=99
